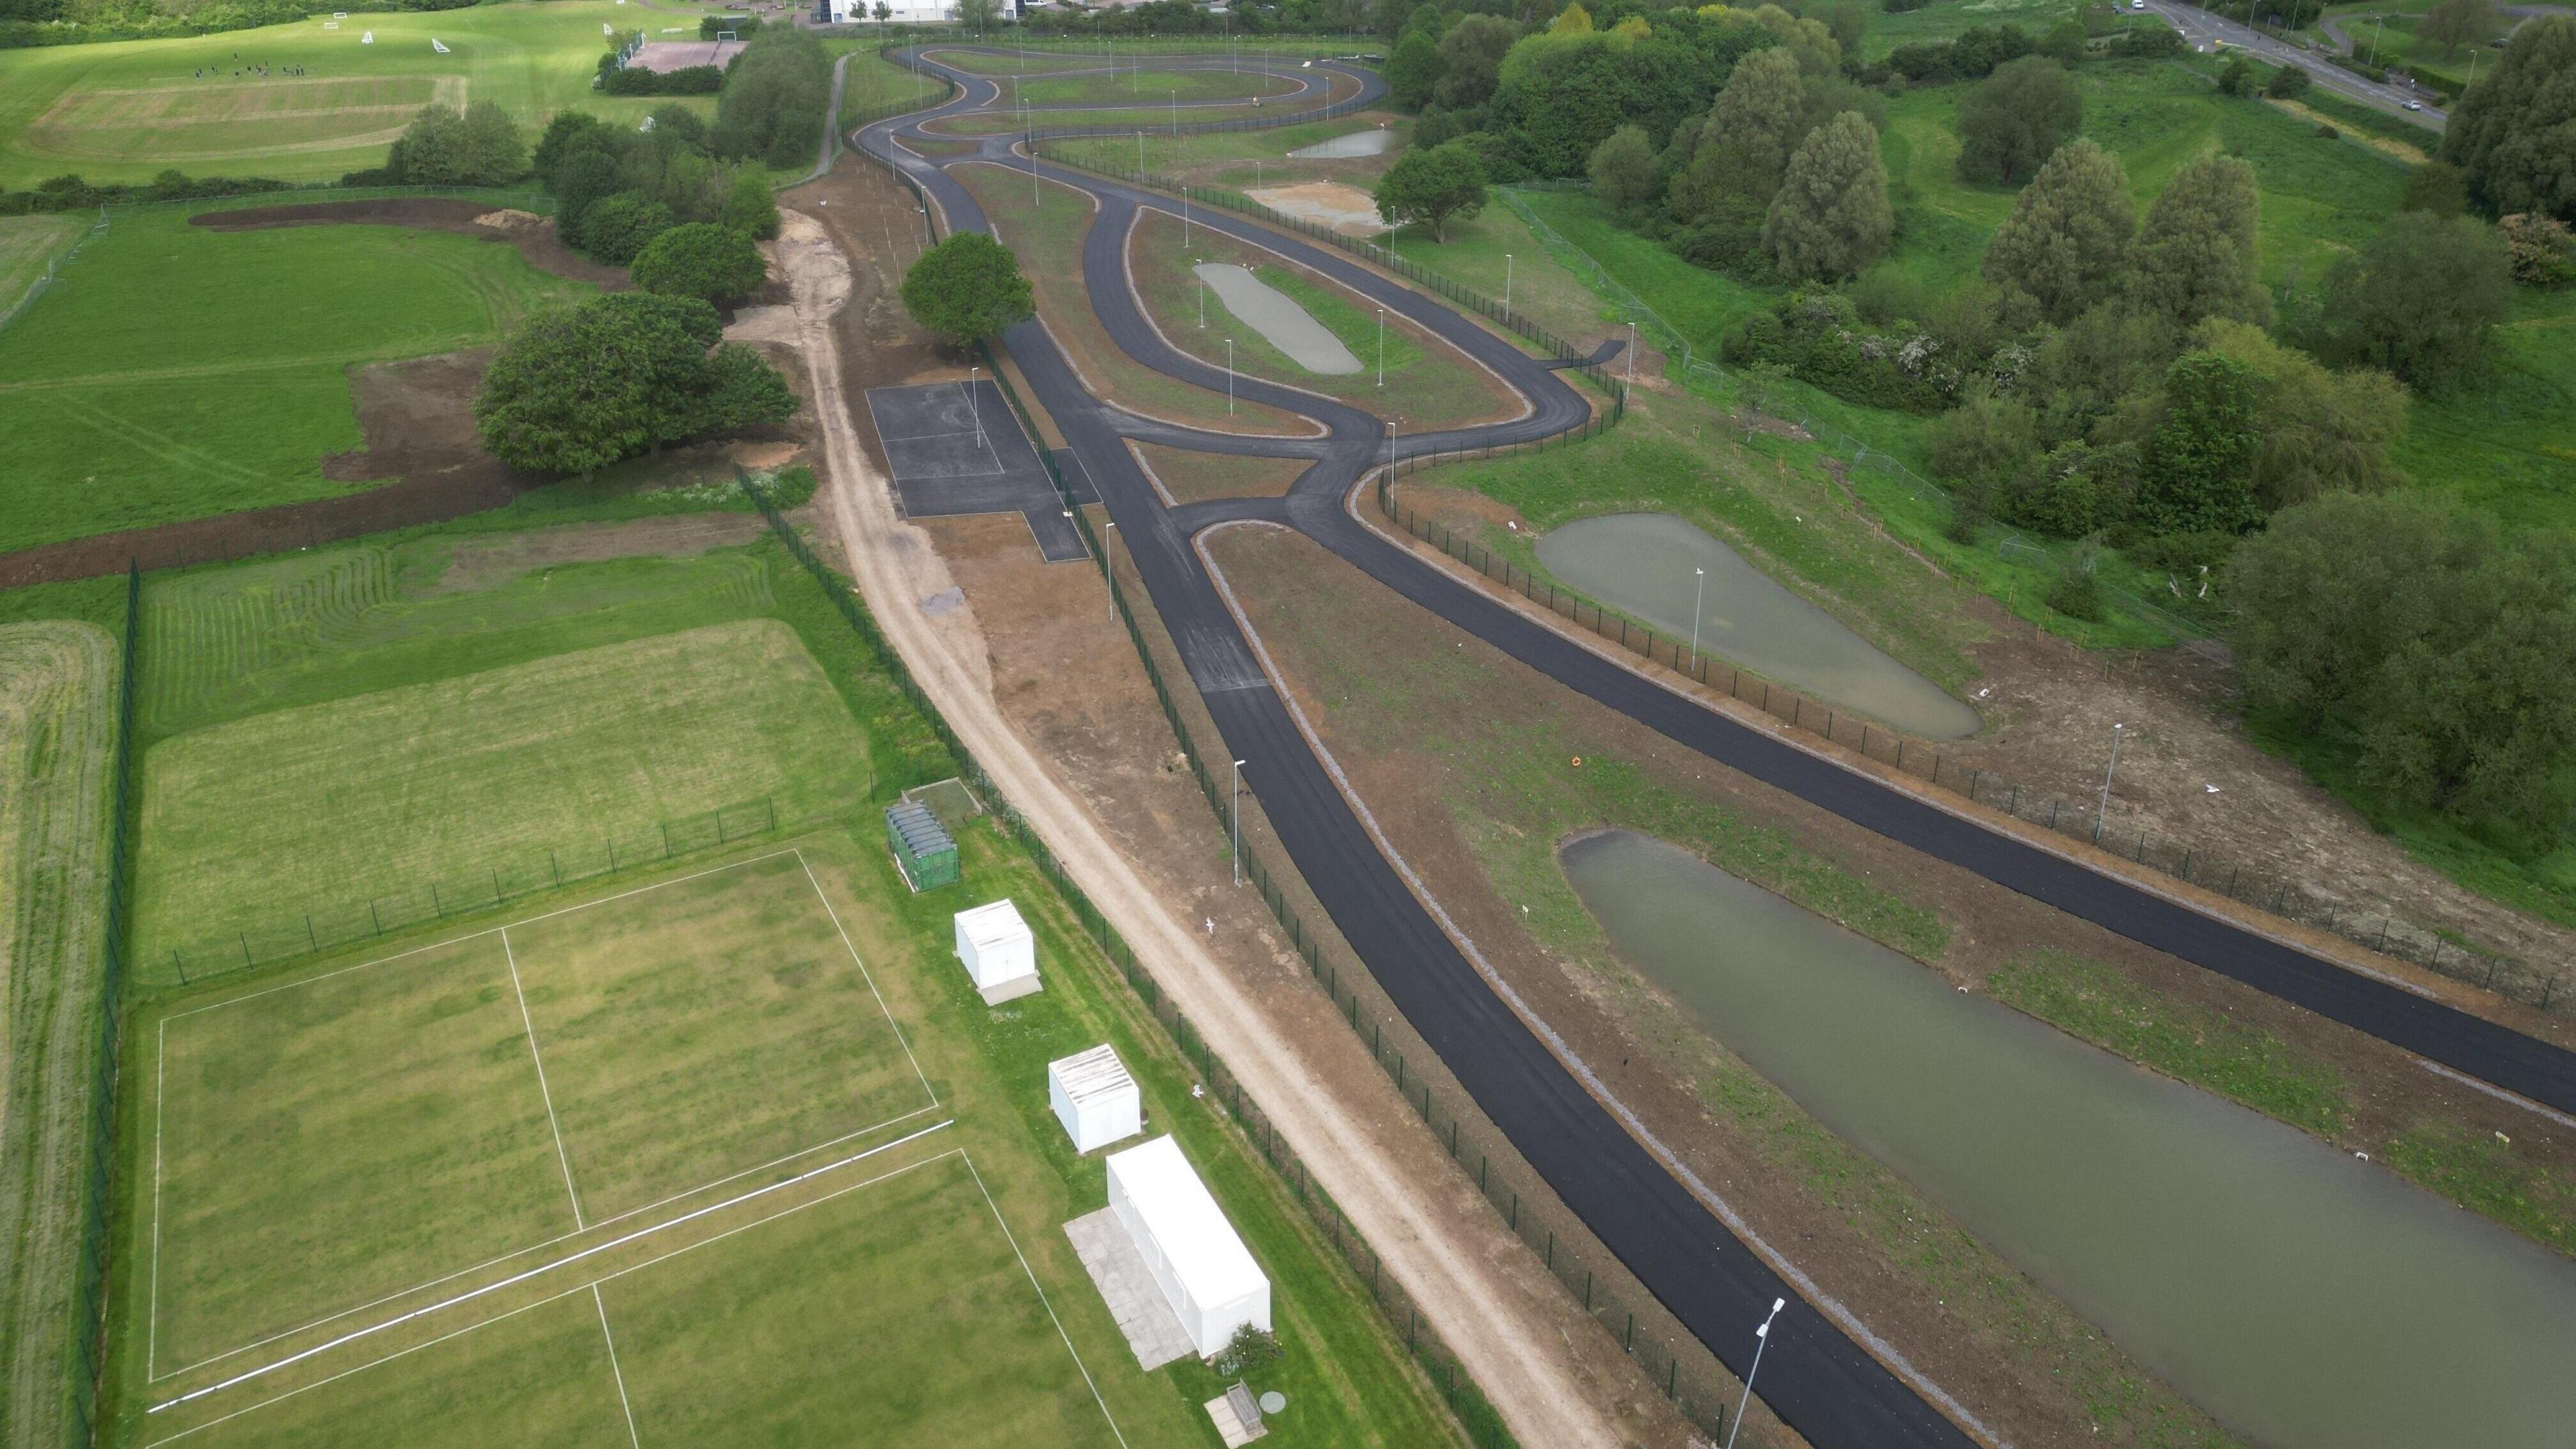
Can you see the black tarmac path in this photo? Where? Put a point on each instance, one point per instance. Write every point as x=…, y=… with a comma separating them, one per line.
x=1822, y=1380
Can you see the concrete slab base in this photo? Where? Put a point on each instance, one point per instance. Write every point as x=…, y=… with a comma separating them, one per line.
x=1153, y=1331
x=1011, y=990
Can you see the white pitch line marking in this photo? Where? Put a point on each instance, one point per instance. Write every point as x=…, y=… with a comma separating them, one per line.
x=542, y=1089
x=620, y=1373
x=1043, y=1301
x=893, y=1025
x=152, y=1312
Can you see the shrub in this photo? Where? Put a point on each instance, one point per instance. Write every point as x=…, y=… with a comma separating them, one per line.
x=694, y=80
x=2076, y=592
x=617, y=228
x=711, y=263
x=1249, y=1351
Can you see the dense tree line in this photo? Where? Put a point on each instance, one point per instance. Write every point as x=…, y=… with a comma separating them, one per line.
x=615, y=190
x=582, y=387
x=776, y=91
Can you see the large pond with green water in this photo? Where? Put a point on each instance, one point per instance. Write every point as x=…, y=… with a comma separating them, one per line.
x=2308, y=1299
x=1659, y=568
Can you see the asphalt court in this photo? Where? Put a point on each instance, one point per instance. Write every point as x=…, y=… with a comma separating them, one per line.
x=955, y=449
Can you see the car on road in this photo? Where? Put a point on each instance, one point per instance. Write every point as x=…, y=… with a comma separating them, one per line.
x=2414, y=105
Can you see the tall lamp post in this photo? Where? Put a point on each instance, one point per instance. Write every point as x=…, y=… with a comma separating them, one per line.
x=1229, y=377
x=1698, y=600
x=1761, y=1340
x=1109, y=567
x=972, y=375
x=1381, y=347
x=1195, y=264
x=2104, y=810
x=1507, y=286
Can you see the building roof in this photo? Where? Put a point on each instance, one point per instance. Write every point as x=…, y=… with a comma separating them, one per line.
x=988, y=925
x=1092, y=1075
x=1186, y=1223
x=921, y=831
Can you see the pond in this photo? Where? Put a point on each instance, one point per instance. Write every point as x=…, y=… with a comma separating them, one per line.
x=1376, y=141
x=2308, y=1299
x=1652, y=566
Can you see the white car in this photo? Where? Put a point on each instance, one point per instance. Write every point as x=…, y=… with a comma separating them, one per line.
x=2414, y=105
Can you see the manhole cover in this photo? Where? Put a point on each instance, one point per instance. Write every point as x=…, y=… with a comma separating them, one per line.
x=1273, y=1401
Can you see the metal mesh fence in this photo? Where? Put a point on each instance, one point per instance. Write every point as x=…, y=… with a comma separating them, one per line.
x=330, y=925
x=53, y=264
x=2379, y=928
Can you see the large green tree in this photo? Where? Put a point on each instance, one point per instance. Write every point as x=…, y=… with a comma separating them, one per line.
x=1413, y=71
x=2196, y=255
x=1831, y=217
x=1743, y=148
x=481, y=147
x=2428, y=645
x=1432, y=188
x=2454, y=23
x=750, y=207
x=967, y=289
x=1623, y=170
x=1471, y=59
x=1558, y=95
x=2323, y=431
x=773, y=101
x=580, y=387
x=2514, y=133
x=2197, y=472
x=2014, y=119
x=703, y=260
x=2422, y=300
x=2066, y=244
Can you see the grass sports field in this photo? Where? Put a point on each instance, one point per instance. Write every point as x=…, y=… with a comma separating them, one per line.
x=724, y=1151
x=176, y=372
x=27, y=243
x=125, y=110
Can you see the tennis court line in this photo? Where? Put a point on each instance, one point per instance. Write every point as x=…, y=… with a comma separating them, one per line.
x=549, y=1298
x=544, y=1091
x=565, y=1261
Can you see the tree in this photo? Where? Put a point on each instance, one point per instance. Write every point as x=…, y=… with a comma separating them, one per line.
x=2421, y=300
x=579, y=388
x=2428, y=645
x=1623, y=170
x=1753, y=126
x=967, y=289
x=2540, y=249
x=2016, y=118
x=1471, y=59
x=711, y=263
x=2514, y=133
x=1831, y=217
x=2196, y=256
x=882, y=11
x=2289, y=83
x=2437, y=187
x=773, y=102
x=2197, y=471
x=1429, y=188
x=979, y=16
x=1558, y=95
x=615, y=230
x=2454, y=22
x=1413, y=71
x=2323, y=431
x=2066, y=244
x=750, y=207
x=430, y=151
x=2067, y=42
x=2237, y=78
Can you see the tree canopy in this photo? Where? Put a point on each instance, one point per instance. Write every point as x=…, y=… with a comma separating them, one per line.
x=1430, y=188
x=2066, y=244
x=2513, y=135
x=773, y=102
x=703, y=260
x=481, y=147
x=1831, y=217
x=580, y=387
x=2421, y=300
x=2196, y=255
x=2016, y=118
x=967, y=289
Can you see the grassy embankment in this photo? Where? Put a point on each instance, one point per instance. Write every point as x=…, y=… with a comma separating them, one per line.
x=57, y=737
x=912, y=1275
x=1047, y=236
x=178, y=372
x=124, y=110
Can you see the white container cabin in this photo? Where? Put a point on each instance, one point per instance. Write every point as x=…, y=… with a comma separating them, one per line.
x=1205, y=1272
x=1094, y=1098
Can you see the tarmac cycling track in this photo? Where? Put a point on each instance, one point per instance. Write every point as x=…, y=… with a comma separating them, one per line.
x=1824, y=1382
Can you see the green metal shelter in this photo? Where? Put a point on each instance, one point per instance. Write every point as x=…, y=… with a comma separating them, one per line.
x=921, y=845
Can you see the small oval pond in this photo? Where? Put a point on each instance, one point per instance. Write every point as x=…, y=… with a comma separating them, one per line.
x=1375, y=141
x=2310, y=1300
x=1645, y=564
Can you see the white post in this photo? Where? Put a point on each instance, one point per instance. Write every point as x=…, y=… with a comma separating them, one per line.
x=1761, y=1340
x=1229, y=376
x=1176, y=111
x=1632, y=354
x=1699, y=600
x=1140, y=153
x=1381, y=347
x=1110, y=574
x=971, y=374
x=1234, y=822
x=1185, y=214
x=2104, y=811
x=1195, y=264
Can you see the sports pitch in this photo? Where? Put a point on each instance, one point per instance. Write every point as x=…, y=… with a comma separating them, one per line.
x=652, y=1167
x=233, y=104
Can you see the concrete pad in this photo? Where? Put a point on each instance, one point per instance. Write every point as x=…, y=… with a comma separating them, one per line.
x=1011, y=990
x=1277, y=317
x=956, y=449
x=1237, y=1422
x=1375, y=141
x=1153, y=1330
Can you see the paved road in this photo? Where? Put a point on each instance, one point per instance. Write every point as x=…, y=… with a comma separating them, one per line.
x=1819, y=1377
x=2203, y=29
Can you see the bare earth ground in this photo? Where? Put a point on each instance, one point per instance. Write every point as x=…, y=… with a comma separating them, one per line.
x=1972, y=1324
x=2049, y=709
x=1336, y=204
x=1052, y=676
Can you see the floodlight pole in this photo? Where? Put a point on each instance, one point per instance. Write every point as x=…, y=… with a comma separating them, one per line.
x=1229, y=377
x=1699, y=601
x=1109, y=569
x=2104, y=810
x=1507, y=286
x=978, y=413
x=1761, y=1340
x=1235, y=822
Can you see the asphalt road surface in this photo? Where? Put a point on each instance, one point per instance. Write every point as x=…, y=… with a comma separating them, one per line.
x=2206, y=30
x=1822, y=1380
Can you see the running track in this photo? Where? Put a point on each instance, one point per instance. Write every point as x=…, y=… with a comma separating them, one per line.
x=1822, y=1382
